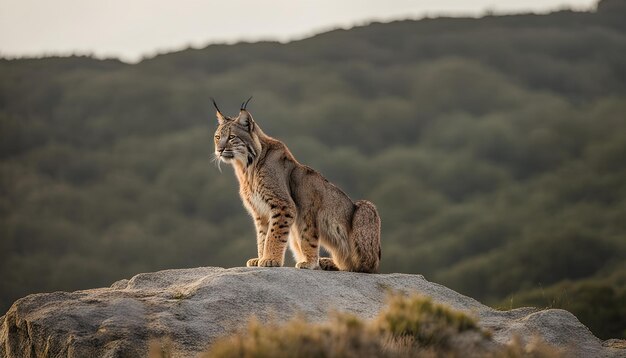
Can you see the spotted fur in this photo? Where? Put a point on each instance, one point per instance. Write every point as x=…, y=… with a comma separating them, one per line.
x=294, y=205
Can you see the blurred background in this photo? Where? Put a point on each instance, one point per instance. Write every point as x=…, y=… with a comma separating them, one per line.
x=493, y=141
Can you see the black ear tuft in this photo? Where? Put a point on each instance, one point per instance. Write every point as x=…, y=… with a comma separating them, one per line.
x=245, y=104
x=220, y=117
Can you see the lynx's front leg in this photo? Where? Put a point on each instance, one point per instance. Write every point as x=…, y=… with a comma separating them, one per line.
x=261, y=224
x=308, y=243
x=282, y=215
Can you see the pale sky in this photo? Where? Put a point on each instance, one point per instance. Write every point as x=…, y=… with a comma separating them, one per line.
x=132, y=29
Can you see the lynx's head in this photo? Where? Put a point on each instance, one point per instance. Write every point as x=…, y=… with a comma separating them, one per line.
x=236, y=138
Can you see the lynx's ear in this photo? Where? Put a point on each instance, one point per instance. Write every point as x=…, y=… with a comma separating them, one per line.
x=220, y=117
x=245, y=118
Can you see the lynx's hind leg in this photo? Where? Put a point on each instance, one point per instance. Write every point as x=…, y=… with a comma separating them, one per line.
x=327, y=264
x=365, y=238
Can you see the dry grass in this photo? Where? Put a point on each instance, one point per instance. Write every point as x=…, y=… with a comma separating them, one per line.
x=536, y=348
x=342, y=336
x=428, y=323
x=410, y=326
x=160, y=348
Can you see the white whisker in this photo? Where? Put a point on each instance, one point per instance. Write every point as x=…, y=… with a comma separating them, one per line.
x=217, y=160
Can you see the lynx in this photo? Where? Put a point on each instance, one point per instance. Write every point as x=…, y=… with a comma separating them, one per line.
x=292, y=203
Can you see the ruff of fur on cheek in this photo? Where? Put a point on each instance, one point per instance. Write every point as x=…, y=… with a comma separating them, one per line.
x=251, y=154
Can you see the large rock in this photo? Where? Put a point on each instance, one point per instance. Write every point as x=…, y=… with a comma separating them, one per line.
x=192, y=307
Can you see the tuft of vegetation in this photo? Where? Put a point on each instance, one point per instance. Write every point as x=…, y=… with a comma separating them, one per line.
x=410, y=326
x=426, y=322
x=340, y=337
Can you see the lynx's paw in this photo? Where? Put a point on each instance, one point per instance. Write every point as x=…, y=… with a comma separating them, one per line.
x=269, y=263
x=308, y=265
x=252, y=262
x=327, y=264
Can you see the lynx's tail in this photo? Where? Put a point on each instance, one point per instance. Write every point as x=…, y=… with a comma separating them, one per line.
x=365, y=238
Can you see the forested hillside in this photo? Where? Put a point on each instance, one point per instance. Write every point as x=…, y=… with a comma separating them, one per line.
x=494, y=148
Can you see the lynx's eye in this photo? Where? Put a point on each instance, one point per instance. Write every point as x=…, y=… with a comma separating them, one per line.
x=231, y=137
x=217, y=137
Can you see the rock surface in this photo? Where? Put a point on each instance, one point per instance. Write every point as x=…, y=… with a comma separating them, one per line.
x=192, y=307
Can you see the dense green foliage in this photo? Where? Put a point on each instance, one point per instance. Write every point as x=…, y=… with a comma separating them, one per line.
x=597, y=301
x=494, y=149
